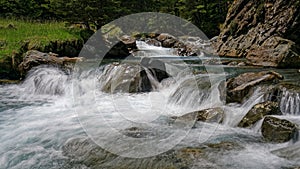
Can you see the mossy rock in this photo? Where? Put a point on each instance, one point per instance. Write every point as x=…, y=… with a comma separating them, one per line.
x=258, y=112
x=278, y=130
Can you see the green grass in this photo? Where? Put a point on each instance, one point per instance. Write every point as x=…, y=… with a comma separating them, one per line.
x=37, y=34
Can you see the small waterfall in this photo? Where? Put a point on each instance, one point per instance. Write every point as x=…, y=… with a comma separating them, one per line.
x=127, y=78
x=290, y=102
x=145, y=50
x=45, y=80
x=196, y=92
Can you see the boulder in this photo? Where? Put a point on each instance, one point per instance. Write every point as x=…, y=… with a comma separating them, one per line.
x=167, y=40
x=212, y=115
x=133, y=78
x=34, y=58
x=153, y=42
x=122, y=47
x=129, y=41
x=169, y=43
x=265, y=32
x=258, y=112
x=164, y=36
x=85, y=153
x=242, y=86
x=278, y=130
x=118, y=51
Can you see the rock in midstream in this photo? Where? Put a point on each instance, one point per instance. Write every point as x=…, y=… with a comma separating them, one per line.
x=242, y=86
x=133, y=78
x=278, y=130
x=85, y=153
x=258, y=112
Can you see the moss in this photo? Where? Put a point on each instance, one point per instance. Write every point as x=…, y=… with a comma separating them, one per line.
x=233, y=27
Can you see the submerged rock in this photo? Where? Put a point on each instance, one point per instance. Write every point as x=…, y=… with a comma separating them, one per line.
x=240, y=87
x=212, y=115
x=278, y=130
x=258, y=112
x=85, y=153
x=35, y=58
x=265, y=32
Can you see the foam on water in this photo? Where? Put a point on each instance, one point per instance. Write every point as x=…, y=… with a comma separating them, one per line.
x=38, y=116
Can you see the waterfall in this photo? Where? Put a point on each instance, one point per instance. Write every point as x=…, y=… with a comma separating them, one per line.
x=45, y=80
x=290, y=102
x=145, y=50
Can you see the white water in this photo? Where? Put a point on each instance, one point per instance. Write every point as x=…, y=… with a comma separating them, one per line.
x=38, y=116
x=146, y=50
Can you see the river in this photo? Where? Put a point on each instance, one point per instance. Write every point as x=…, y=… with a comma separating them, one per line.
x=50, y=107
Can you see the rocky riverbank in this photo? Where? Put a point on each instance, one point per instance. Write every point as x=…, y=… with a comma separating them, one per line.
x=265, y=32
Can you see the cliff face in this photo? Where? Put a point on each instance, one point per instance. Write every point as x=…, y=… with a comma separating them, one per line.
x=266, y=32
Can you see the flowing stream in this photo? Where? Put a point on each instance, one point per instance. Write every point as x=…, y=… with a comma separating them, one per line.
x=38, y=117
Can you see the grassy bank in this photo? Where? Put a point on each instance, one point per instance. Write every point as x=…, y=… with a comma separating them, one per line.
x=18, y=36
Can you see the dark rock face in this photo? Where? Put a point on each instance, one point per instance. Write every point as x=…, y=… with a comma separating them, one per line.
x=122, y=48
x=265, y=32
x=34, y=58
x=278, y=130
x=133, y=78
x=212, y=115
x=63, y=48
x=258, y=112
x=241, y=86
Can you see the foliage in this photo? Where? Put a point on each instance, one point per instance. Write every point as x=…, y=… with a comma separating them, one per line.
x=14, y=33
x=206, y=14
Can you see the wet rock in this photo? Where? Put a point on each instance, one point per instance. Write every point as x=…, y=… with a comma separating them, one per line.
x=212, y=115
x=224, y=146
x=242, y=64
x=169, y=43
x=122, y=48
x=286, y=94
x=233, y=63
x=278, y=130
x=133, y=78
x=164, y=36
x=157, y=68
x=242, y=86
x=118, y=51
x=262, y=33
x=85, y=152
x=153, y=42
x=258, y=112
x=129, y=41
x=34, y=58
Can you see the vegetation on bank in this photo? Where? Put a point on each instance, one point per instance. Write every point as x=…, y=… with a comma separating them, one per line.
x=15, y=33
x=17, y=36
x=208, y=15
x=47, y=32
